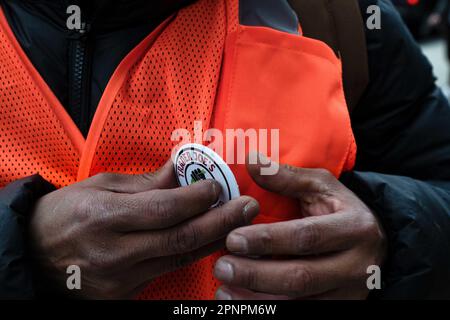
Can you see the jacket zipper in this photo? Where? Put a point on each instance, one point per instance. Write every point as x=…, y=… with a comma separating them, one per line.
x=80, y=60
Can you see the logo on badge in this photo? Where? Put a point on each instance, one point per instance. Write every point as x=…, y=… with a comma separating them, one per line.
x=195, y=162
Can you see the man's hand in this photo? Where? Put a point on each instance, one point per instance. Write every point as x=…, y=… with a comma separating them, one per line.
x=322, y=256
x=123, y=230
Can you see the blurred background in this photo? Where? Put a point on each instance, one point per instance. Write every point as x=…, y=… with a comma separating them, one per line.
x=429, y=22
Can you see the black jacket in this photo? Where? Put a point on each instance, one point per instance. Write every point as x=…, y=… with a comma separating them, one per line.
x=402, y=128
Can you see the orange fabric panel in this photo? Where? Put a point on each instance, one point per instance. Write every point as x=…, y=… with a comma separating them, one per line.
x=274, y=80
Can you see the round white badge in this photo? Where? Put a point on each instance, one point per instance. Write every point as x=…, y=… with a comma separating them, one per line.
x=195, y=162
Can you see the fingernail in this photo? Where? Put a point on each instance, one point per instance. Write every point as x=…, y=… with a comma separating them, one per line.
x=237, y=243
x=224, y=271
x=222, y=295
x=251, y=210
x=215, y=189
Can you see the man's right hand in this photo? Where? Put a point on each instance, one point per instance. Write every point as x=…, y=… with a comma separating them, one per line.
x=123, y=231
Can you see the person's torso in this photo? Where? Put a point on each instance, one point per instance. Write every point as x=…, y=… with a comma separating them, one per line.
x=203, y=67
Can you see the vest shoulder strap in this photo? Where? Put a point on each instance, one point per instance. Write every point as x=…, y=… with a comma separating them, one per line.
x=339, y=24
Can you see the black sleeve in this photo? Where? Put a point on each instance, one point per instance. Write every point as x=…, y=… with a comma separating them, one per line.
x=402, y=128
x=16, y=202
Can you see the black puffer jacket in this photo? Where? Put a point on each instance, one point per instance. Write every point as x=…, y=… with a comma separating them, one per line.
x=402, y=127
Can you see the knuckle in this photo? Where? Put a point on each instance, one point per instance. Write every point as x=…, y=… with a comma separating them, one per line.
x=145, y=179
x=250, y=278
x=372, y=231
x=104, y=207
x=324, y=174
x=366, y=223
x=290, y=168
x=116, y=210
x=300, y=281
x=183, y=240
x=323, y=180
x=287, y=184
x=369, y=228
x=102, y=263
x=83, y=210
x=324, y=177
x=97, y=263
x=306, y=236
x=229, y=219
x=86, y=211
x=266, y=240
x=160, y=208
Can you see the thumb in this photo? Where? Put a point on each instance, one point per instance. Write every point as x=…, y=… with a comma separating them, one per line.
x=164, y=178
x=289, y=181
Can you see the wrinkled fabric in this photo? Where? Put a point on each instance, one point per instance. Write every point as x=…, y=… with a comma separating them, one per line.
x=16, y=202
x=403, y=166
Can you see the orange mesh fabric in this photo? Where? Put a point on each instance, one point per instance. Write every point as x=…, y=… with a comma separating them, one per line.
x=172, y=86
x=33, y=138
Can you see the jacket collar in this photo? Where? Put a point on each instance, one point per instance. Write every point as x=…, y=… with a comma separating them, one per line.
x=104, y=15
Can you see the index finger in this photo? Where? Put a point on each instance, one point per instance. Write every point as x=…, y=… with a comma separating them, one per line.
x=311, y=235
x=161, y=209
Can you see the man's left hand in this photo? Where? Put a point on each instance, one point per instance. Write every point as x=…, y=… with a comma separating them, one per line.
x=322, y=256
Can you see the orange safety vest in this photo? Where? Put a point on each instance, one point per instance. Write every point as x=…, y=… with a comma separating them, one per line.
x=198, y=65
